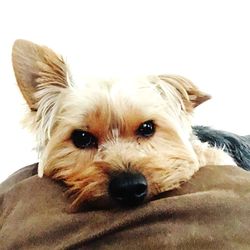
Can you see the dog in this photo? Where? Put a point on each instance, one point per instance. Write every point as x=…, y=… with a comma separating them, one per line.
x=238, y=147
x=113, y=141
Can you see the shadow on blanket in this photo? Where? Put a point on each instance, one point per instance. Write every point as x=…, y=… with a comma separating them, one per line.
x=211, y=211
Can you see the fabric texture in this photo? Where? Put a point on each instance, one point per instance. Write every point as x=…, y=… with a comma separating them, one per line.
x=211, y=211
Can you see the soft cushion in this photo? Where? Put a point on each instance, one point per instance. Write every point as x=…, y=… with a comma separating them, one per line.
x=211, y=211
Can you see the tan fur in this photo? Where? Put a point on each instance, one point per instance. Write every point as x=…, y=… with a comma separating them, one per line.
x=112, y=110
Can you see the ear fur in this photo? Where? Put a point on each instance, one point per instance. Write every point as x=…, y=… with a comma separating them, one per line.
x=37, y=67
x=190, y=94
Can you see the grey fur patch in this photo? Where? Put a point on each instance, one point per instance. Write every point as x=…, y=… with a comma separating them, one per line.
x=238, y=147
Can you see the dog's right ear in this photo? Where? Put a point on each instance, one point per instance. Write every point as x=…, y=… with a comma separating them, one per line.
x=38, y=68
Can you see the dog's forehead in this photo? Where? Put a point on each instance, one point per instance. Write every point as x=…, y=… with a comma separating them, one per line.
x=129, y=100
x=121, y=103
x=120, y=93
x=123, y=88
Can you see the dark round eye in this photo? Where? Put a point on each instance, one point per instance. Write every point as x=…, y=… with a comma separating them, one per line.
x=83, y=139
x=146, y=129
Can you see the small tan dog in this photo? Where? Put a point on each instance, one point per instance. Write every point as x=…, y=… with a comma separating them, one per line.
x=111, y=141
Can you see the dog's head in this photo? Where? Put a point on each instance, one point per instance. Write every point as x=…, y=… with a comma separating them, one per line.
x=111, y=140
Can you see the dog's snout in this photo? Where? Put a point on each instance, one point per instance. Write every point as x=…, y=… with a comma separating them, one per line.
x=128, y=189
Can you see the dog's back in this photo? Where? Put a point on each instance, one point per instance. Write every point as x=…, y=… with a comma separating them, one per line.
x=237, y=146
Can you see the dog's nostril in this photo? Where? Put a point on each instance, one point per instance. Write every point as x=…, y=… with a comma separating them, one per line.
x=140, y=189
x=128, y=189
x=120, y=191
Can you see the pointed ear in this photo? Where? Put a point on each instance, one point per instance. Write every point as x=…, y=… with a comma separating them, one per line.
x=37, y=67
x=190, y=94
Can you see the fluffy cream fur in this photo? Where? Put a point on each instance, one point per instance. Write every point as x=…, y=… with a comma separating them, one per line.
x=112, y=110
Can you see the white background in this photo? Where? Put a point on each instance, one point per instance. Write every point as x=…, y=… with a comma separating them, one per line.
x=206, y=41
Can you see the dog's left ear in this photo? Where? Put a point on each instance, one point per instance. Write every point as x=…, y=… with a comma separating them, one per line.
x=38, y=69
x=191, y=96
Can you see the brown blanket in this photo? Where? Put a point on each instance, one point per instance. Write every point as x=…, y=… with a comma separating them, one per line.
x=212, y=211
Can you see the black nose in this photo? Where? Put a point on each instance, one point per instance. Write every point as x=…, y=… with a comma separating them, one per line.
x=128, y=189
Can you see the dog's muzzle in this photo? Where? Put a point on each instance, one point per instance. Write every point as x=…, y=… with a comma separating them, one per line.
x=128, y=189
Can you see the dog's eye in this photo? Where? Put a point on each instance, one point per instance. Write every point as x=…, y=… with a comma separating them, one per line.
x=146, y=129
x=83, y=139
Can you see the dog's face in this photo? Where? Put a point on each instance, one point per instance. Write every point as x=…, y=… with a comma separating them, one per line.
x=111, y=141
